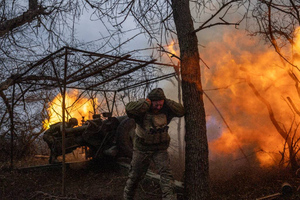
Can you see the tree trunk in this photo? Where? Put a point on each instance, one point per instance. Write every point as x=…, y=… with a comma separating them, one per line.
x=180, y=144
x=196, y=160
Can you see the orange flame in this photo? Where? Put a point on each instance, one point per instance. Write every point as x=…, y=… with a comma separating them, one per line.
x=174, y=55
x=75, y=107
x=247, y=117
x=171, y=48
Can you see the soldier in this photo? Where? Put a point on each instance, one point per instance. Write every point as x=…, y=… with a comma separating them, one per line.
x=55, y=131
x=152, y=116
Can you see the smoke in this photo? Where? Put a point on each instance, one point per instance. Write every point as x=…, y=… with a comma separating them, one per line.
x=241, y=135
x=238, y=123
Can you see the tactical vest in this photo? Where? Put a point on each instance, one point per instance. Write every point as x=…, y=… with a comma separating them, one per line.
x=154, y=130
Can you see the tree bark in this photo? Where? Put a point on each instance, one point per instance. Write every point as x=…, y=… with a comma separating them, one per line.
x=196, y=161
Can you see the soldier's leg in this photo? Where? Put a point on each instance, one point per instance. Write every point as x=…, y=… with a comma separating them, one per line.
x=53, y=156
x=139, y=165
x=56, y=150
x=49, y=139
x=162, y=162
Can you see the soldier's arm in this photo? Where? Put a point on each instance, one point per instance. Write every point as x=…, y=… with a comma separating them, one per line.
x=176, y=108
x=137, y=108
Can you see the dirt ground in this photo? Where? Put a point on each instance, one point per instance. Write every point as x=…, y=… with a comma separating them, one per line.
x=91, y=180
x=106, y=179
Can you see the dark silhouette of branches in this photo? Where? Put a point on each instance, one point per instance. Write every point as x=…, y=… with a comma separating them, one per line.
x=284, y=134
x=227, y=7
x=277, y=21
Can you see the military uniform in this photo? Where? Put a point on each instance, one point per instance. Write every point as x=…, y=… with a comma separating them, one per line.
x=151, y=142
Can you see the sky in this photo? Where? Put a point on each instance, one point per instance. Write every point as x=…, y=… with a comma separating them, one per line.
x=92, y=31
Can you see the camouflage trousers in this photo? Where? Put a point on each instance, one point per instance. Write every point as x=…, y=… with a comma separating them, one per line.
x=139, y=166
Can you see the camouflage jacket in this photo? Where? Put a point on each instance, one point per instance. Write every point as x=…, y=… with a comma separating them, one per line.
x=152, y=130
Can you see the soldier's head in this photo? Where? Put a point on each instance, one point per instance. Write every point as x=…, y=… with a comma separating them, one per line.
x=157, y=97
x=73, y=122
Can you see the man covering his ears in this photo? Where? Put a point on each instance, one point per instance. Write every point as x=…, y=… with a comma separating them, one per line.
x=152, y=116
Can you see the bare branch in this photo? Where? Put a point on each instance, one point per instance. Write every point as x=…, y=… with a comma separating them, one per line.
x=224, y=6
x=26, y=17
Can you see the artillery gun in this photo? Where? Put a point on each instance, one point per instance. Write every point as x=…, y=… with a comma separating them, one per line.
x=109, y=137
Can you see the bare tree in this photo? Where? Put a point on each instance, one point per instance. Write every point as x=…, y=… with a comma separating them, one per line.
x=29, y=30
x=24, y=28
x=277, y=22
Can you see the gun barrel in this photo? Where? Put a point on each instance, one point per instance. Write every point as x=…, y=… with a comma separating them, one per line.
x=272, y=196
